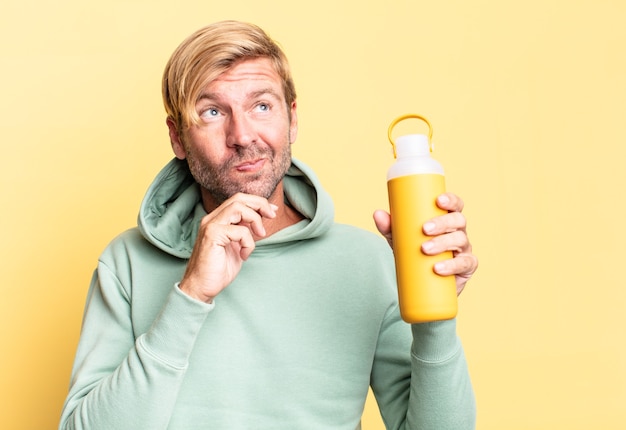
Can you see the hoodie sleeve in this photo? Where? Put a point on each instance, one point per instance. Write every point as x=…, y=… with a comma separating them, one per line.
x=429, y=389
x=125, y=383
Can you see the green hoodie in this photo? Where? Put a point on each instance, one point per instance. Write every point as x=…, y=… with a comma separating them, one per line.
x=294, y=342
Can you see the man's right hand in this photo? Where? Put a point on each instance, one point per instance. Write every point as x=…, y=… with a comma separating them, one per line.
x=226, y=238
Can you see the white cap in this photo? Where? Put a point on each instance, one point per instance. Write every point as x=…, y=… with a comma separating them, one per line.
x=412, y=145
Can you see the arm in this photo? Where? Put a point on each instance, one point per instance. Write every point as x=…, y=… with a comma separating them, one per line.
x=428, y=389
x=122, y=382
x=436, y=392
x=119, y=382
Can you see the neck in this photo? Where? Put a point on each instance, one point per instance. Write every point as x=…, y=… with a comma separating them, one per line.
x=285, y=214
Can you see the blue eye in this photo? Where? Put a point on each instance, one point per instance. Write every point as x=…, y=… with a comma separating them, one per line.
x=210, y=113
x=263, y=107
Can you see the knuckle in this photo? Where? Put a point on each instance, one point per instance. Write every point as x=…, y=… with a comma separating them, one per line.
x=457, y=240
x=237, y=204
x=460, y=220
x=465, y=244
x=206, y=222
x=474, y=263
x=468, y=264
x=460, y=203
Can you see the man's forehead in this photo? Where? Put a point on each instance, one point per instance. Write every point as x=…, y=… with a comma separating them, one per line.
x=253, y=69
x=250, y=78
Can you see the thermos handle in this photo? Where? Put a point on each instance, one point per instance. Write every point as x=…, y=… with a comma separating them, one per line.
x=402, y=118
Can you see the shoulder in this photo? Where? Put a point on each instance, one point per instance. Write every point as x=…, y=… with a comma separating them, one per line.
x=356, y=246
x=126, y=242
x=138, y=265
x=361, y=259
x=356, y=237
x=130, y=248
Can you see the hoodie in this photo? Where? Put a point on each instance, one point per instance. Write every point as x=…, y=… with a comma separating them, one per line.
x=310, y=323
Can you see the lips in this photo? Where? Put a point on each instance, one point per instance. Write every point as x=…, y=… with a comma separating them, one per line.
x=250, y=166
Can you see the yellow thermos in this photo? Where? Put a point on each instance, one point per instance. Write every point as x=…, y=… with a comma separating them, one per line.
x=414, y=181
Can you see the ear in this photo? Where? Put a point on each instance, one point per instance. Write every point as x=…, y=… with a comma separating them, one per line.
x=293, y=125
x=175, y=139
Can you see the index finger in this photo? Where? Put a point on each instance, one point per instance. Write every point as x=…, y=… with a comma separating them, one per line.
x=256, y=203
x=245, y=209
x=450, y=202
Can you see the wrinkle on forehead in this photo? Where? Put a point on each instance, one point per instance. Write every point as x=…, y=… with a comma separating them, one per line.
x=253, y=70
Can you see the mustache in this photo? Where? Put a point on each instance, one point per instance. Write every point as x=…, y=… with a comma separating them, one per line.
x=246, y=154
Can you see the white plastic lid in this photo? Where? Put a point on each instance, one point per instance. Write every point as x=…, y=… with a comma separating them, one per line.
x=412, y=145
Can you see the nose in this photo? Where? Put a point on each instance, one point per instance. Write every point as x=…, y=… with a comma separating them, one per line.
x=240, y=131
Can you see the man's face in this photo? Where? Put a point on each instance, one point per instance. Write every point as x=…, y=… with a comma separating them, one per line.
x=242, y=143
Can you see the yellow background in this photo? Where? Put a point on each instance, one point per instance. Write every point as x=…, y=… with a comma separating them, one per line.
x=528, y=104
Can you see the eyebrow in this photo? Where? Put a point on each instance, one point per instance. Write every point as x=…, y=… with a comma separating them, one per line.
x=264, y=91
x=252, y=95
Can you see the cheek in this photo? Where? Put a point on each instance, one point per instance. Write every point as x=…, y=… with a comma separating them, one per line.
x=279, y=135
x=201, y=145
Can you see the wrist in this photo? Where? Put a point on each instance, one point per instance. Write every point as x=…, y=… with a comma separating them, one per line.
x=185, y=288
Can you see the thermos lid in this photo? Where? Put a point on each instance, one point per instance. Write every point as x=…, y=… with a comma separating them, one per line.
x=412, y=145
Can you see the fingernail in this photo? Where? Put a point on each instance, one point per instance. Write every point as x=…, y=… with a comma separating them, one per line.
x=443, y=199
x=439, y=267
x=427, y=246
x=429, y=227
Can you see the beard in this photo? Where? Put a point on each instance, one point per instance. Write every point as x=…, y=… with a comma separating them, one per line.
x=218, y=180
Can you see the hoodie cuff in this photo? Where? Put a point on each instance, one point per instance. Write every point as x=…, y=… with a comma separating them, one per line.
x=435, y=342
x=173, y=333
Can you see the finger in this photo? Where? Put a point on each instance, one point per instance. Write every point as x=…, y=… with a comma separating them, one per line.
x=382, y=220
x=232, y=238
x=244, y=212
x=216, y=235
x=241, y=238
x=455, y=241
x=450, y=202
x=237, y=213
x=256, y=203
x=447, y=223
x=463, y=265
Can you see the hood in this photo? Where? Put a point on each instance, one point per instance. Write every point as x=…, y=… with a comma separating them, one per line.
x=172, y=208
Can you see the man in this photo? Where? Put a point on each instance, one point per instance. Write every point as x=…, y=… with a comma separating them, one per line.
x=238, y=303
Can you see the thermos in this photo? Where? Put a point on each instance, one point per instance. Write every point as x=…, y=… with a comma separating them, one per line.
x=413, y=182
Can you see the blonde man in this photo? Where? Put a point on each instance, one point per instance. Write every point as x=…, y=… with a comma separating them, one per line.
x=237, y=302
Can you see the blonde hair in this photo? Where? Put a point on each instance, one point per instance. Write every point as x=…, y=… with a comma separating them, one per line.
x=208, y=53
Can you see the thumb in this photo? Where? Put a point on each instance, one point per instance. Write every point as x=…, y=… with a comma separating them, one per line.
x=382, y=220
